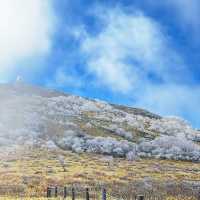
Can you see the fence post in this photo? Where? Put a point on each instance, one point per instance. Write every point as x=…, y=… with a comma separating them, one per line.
x=73, y=194
x=48, y=192
x=140, y=197
x=87, y=194
x=65, y=192
x=198, y=195
x=103, y=194
x=56, y=191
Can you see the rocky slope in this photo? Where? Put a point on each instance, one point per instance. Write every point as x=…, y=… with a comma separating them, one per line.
x=39, y=117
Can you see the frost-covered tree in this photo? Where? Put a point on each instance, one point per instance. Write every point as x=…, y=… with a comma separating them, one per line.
x=170, y=147
x=62, y=162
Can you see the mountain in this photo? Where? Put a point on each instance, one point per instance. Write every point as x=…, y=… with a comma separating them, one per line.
x=35, y=116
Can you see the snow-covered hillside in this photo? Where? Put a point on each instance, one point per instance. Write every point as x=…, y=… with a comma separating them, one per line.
x=37, y=116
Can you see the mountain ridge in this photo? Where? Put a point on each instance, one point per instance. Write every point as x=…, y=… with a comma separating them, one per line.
x=29, y=89
x=39, y=116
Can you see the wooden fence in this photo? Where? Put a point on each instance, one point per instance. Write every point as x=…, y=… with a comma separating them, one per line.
x=53, y=192
x=66, y=193
x=106, y=193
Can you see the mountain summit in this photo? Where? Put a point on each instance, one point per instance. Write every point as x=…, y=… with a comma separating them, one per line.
x=35, y=116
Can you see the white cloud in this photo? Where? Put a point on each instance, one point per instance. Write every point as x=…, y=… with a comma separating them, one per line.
x=25, y=30
x=168, y=99
x=128, y=48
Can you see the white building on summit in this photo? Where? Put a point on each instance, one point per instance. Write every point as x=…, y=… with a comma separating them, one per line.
x=19, y=79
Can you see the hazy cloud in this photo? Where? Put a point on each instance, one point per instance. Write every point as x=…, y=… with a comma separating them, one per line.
x=188, y=12
x=168, y=99
x=67, y=78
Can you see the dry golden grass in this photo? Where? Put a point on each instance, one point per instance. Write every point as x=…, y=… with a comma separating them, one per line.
x=30, y=170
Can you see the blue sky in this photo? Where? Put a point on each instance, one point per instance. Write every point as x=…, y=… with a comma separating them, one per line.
x=138, y=53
